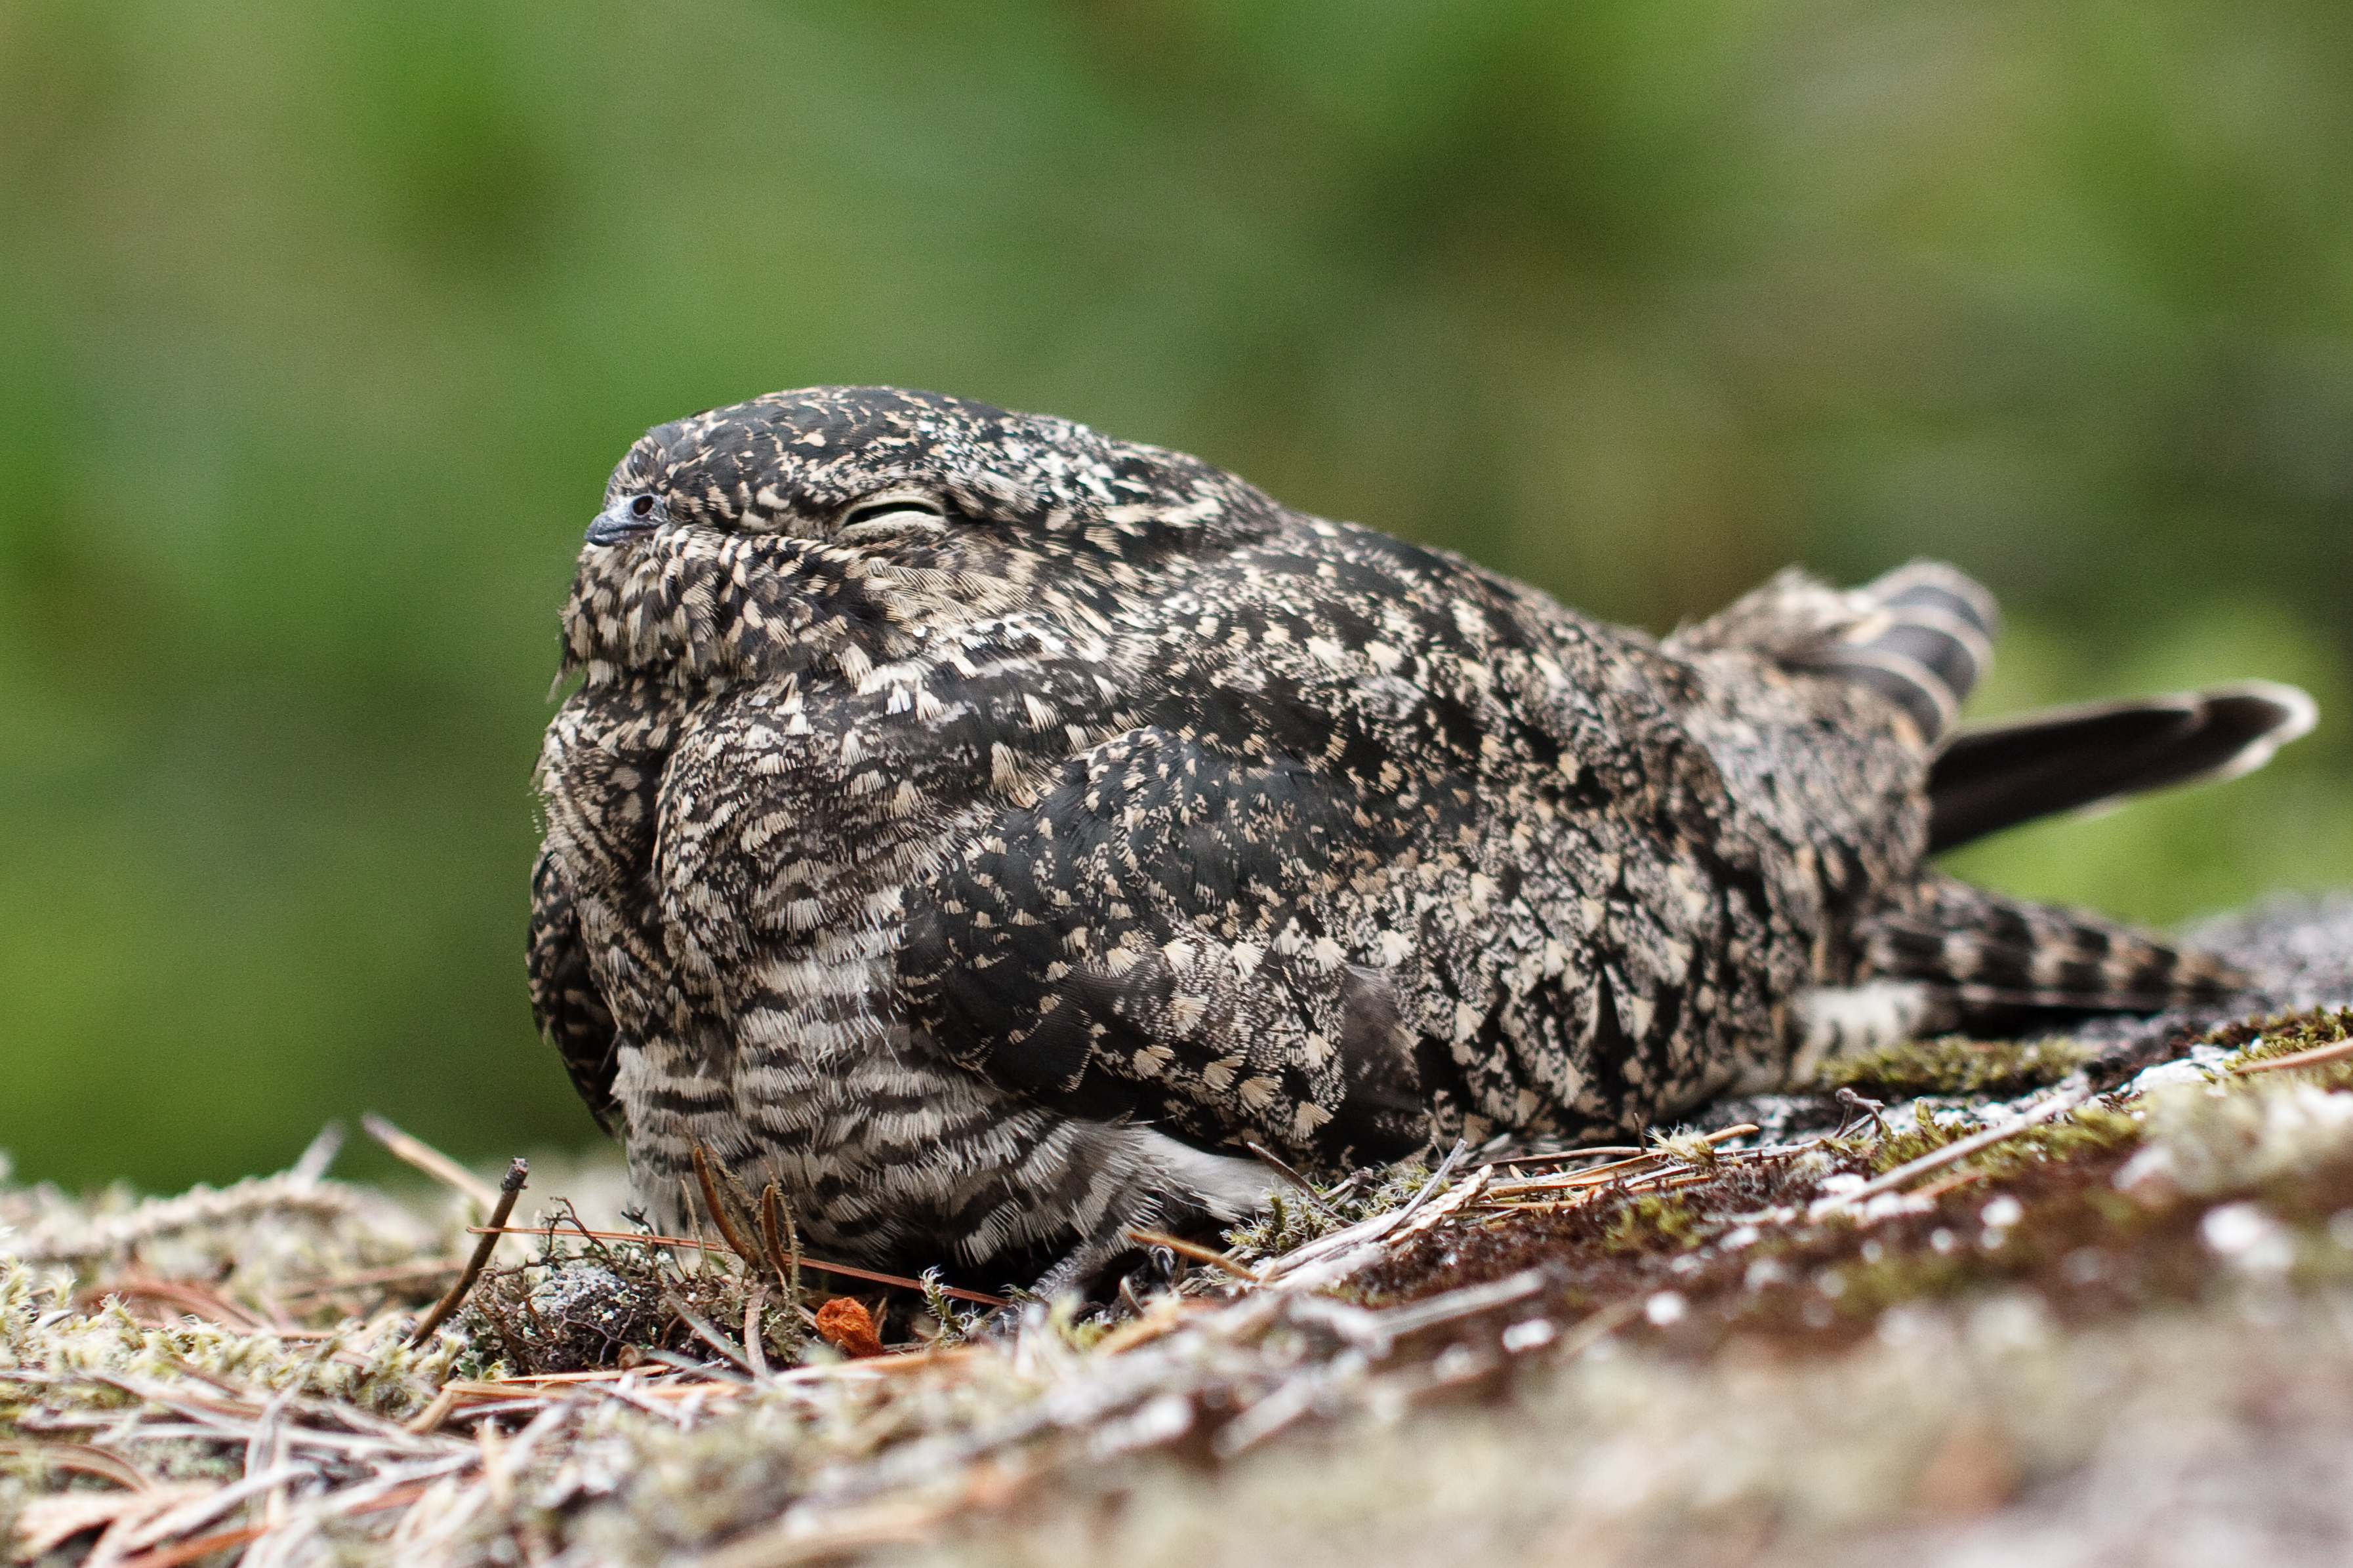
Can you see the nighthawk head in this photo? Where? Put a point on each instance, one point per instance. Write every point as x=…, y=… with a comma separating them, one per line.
x=841, y=526
x=894, y=472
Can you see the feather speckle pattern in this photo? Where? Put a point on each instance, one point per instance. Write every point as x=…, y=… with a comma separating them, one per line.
x=986, y=830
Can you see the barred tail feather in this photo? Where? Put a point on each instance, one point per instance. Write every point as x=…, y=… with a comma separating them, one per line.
x=1995, y=957
x=1922, y=636
x=1924, y=642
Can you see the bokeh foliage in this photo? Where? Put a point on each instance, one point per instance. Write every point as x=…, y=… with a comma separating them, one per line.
x=320, y=328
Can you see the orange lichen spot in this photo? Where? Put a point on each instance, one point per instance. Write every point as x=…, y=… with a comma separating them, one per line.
x=848, y=1327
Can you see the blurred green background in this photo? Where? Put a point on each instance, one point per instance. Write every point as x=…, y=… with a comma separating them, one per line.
x=320, y=327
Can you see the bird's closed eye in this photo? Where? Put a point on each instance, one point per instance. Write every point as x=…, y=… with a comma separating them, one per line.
x=892, y=513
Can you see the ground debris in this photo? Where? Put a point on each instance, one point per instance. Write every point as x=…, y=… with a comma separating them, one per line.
x=1949, y=1322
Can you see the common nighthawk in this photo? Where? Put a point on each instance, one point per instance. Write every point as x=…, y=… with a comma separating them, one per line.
x=986, y=829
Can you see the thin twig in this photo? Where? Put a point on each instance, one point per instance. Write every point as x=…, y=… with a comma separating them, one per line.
x=371, y=1279
x=1959, y=1179
x=978, y=1298
x=253, y=1400
x=754, y=1350
x=88, y=1458
x=704, y=1330
x=521, y=1382
x=518, y=1171
x=1953, y=1152
x=195, y=1298
x=1664, y=1144
x=1854, y=1102
x=2318, y=1056
x=686, y=1206
x=719, y=1215
x=1566, y=1154
x=1376, y=1333
x=1595, y=1326
x=172, y=1556
x=1458, y=1197
x=1616, y=1170
x=1668, y=1181
x=1578, y=1196
x=429, y=1420
x=416, y=1151
x=1437, y=1180
x=781, y=1239
x=1195, y=1251
x=1305, y=1191
x=1598, y=1176
x=320, y=1154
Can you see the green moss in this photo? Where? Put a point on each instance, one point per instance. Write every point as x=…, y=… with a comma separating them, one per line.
x=1954, y=1066
x=1902, y=1145
x=1292, y=1221
x=2287, y=1033
x=1868, y=1285
x=2279, y=1034
x=369, y=1367
x=1653, y=1222
x=1687, y=1145
x=2088, y=1131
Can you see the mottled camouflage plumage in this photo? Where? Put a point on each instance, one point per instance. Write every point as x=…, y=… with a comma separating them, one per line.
x=985, y=828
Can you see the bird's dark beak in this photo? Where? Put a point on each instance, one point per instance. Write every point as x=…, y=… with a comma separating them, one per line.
x=615, y=523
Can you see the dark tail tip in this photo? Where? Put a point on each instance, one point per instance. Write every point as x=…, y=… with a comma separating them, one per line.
x=2247, y=721
x=1996, y=776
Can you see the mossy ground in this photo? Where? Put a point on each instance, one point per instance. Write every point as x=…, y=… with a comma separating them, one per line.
x=1954, y=1066
x=1769, y=1360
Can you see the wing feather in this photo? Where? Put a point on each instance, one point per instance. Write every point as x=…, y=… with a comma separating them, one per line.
x=565, y=1002
x=1133, y=945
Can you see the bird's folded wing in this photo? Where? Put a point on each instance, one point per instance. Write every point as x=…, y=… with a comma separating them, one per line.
x=572, y=1017
x=1133, y=946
